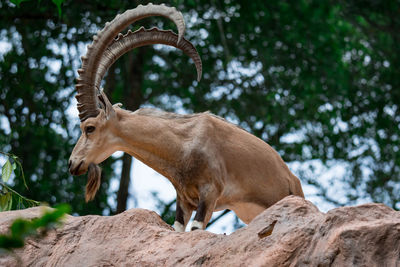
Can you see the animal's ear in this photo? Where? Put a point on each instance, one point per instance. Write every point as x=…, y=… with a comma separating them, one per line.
x=106, y=105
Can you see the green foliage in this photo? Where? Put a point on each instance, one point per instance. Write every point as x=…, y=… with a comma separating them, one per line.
x=8, y=168
x=17, y=2
x=7, y=193
x=6, y=171
x=318, y=80
x=56, y=2
x=6, y=201
x=22, y=228
x=165, y=209
x=36, y=89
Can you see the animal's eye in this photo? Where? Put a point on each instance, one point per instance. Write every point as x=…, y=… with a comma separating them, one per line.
x=90, y=129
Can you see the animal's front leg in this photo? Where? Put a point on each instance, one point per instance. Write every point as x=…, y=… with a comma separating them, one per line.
x=182, y=216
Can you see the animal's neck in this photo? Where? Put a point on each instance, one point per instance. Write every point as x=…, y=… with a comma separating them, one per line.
x=153, y=140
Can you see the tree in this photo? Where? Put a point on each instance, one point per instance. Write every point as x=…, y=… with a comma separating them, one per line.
x=36, y=87
x=318, y=80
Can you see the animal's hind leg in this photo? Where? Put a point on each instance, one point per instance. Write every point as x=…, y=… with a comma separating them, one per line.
x=204, y=210
x=182, y=216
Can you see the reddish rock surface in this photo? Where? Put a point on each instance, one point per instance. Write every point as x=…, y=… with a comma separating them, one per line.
x=293, y=232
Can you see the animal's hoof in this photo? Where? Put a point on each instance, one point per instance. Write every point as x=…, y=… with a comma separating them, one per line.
x=178, y=227
x=196, y=226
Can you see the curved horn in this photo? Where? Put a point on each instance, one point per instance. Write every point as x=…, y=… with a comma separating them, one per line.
x=142, y=37
x=87, y=100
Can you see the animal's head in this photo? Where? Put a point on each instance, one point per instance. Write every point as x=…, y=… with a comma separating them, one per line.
x=98, y=117
x=97, y=141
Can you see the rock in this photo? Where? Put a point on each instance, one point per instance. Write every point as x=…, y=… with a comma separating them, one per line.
x=293, y=232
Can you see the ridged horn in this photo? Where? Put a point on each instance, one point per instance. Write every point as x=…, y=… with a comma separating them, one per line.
x=87, y=100
x=142, y=37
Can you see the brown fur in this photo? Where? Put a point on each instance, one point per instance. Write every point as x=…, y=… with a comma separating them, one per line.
x=207, y=159
x=93, y=182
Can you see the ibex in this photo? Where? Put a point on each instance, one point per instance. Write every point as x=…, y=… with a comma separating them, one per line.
x=212, y=163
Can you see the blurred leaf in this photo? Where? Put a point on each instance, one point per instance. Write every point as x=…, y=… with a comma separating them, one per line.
x=6, y=171
x=58, y=4
x=20, y=204
x=17, y=2
x=22, y=228
x=8, y=242
x=5, y=201
x=10, y=201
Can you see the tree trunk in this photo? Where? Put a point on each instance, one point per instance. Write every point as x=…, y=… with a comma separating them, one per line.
x=123, y=191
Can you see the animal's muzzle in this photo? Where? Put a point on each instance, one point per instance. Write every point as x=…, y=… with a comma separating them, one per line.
x=74, y=170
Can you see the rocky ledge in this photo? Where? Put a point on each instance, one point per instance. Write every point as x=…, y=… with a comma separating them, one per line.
x=293, y=232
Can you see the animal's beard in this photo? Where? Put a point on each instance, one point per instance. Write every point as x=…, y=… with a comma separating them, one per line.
x=93, y=182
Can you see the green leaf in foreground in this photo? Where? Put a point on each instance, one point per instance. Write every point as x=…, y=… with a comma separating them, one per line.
x=22, y=228
x=6, y=171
